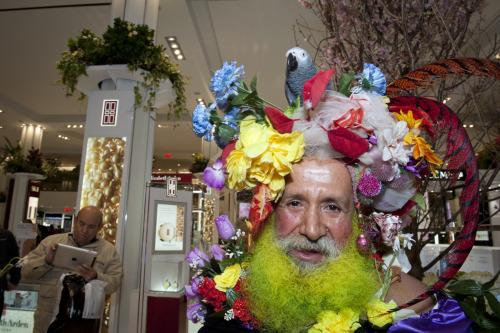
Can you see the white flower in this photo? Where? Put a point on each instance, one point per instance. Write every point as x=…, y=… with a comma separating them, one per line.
x=22, y=261
x=392, y=146
x=406, y=238
x=229, y=315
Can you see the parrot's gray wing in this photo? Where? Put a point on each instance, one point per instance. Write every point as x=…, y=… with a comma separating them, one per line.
x=299, y=69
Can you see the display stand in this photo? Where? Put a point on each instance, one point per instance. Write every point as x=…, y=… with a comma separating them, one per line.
x=164, y=272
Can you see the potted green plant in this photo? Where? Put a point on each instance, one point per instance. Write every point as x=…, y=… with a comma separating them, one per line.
x=199, y=164
x=124, y=43
x=13, y=160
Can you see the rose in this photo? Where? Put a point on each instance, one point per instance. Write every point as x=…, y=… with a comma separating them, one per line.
x=228, y=278
x=378, y=312
x=224, y=227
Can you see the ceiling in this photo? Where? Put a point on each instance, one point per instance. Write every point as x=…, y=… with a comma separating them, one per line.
x=34, y=33
x=255, y=33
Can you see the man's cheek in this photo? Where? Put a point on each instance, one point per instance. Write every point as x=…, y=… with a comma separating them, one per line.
x=286, y=223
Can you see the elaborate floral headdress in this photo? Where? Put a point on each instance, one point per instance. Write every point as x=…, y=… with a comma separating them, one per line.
x=380, y=140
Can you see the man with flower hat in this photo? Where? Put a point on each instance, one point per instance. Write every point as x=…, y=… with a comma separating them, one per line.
x=334, y=185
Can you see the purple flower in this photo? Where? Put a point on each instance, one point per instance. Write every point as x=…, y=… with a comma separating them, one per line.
x=195, y=312
x=197, y=258
x=224, y=227
x=414, y=167
x=214, y=175
x=369, y=185
x=192, y=293
x=217, y=252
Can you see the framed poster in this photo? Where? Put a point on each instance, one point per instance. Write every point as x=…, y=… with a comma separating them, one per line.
x=169, y=227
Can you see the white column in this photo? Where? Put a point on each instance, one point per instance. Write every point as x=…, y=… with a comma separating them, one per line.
x=31, y=137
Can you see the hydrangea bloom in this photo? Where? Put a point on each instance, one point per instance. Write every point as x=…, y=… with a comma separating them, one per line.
x=225, y=83
x=201, y=122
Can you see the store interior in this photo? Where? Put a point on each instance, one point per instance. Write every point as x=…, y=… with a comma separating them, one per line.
x=255, y=34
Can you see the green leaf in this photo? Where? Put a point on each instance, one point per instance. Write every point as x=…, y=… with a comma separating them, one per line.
x=345, y=84
x=494, y=304
x=239, y=99
x=231, y=296
x=253, y=84
x=469, y=311
x=419, y=199
x=226, y=131
x=366, y=84
x=487, y=321
x=481, y=305
x=242, y=115
x=491, y=283
x=466, y=287
x=243, y=85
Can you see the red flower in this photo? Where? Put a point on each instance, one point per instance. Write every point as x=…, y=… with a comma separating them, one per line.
x=241, y=311
x=214, y=297
x=260, y=207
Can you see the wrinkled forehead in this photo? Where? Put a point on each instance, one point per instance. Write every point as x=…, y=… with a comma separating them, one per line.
x=328, y=170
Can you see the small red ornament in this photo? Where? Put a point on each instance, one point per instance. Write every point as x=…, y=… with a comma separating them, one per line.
x=363, y=244
x=168, y=155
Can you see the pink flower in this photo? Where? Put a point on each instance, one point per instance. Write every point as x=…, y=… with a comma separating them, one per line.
x=214, y=175
x=369, y=185
x=389, y=227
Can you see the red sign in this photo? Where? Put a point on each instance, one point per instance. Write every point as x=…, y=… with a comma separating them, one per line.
x=162, y=177
x=109, y=112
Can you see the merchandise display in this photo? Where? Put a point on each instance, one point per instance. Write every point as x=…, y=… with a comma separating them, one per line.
x=383, y=143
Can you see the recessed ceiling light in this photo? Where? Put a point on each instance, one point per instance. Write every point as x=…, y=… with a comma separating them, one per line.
x=1, y=111
x=1, y=127
x=174, y=46
x=180, y=57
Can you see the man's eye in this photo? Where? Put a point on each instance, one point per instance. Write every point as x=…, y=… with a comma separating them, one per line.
x=293, y=203
x=333, y=208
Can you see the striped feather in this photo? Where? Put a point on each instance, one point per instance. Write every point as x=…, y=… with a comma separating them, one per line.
x=460, y=156
x=426, y=76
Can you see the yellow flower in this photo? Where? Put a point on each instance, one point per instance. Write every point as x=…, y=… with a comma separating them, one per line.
x=263, y=155
x=422, y=149
x=228, y=278
x=413, y=124
x=377, y=312
x=346, y=321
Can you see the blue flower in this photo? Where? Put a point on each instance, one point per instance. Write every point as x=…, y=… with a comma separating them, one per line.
x=228, y=119
x=375, y=80
x=225, y=83
x=201, y=122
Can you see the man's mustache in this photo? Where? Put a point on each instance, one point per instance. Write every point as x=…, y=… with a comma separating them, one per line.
x=301, y=243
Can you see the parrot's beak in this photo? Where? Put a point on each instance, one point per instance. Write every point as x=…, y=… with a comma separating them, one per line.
x=291, y=62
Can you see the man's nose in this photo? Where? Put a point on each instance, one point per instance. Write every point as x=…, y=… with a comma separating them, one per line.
x=311, y=226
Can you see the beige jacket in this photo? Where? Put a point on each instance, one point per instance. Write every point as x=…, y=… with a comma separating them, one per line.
x=108, y=266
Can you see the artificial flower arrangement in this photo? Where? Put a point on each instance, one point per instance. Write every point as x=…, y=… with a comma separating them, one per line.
x=124, y=43
x=199, y=163
x=260, y=142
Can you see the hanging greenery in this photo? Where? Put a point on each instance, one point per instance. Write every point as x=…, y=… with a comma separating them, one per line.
x=130, y=44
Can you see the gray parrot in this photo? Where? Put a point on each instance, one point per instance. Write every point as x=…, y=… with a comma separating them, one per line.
x=299, y=69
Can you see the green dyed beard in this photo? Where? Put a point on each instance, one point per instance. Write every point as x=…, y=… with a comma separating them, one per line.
x=288, y=298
